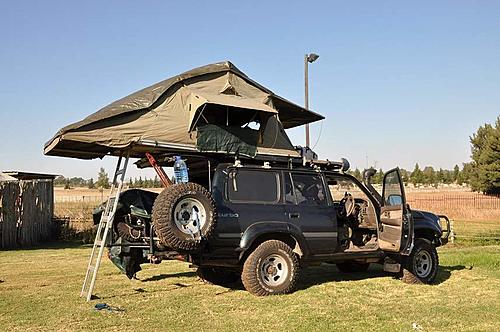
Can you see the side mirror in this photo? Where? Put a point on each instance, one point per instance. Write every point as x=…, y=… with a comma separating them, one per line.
x=394, y=200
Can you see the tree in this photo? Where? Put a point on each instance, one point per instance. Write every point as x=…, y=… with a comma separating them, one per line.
x=456, y=173
x=356, y=173
x=102, y=179
x=417, y=177
x=157, y=183
x=67, y=185
x=467, y=172
x=378, y=177
x=440, y=176
x=429, y=175
x=91, y=183
x=405, y=176
x=485, y=167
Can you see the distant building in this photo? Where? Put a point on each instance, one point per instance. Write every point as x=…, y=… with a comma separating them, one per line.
x=26, y=208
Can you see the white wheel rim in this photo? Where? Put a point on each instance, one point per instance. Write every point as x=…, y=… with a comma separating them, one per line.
x=190, y=216
x=273, y=270
x=423, y=264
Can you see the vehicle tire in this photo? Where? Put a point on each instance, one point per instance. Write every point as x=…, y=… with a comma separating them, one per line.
x=352, y=266
x=422, y=265
x=272, y=268
x=218, y=276
x=183, y=214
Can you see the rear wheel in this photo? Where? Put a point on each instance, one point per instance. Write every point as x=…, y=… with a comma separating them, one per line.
x=352, y=266
x=272, y=268
x=422, y=264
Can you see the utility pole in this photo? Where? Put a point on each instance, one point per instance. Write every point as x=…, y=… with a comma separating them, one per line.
x=308, y=58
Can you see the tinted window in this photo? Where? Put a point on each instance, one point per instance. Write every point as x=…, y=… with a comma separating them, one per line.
x=309, y=189
x=253, y=186
x=289, y=192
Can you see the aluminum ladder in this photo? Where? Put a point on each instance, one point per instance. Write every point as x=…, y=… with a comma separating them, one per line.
x=105, y=225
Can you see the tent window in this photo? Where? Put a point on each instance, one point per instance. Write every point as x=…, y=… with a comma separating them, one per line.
x=229, y=116
x=254, y=125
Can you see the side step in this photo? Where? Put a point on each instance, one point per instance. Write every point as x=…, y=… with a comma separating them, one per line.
x=392, y=267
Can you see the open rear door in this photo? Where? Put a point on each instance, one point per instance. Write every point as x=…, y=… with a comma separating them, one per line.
x=395, y=231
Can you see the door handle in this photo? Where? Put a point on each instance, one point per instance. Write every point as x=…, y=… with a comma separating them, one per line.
x=294, y=215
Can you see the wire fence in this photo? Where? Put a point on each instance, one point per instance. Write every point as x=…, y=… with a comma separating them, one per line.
x=453, y=200
x=83, y=198
x=457, y=205
x=77, y=208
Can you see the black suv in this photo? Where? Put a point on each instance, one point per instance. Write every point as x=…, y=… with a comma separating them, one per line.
x=263, y=223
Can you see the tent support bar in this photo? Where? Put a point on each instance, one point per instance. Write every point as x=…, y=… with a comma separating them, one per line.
x=161, y=173
x=157, y=144
x=198, y=118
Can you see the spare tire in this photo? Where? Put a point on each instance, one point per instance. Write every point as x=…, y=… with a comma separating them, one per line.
x=183, y=214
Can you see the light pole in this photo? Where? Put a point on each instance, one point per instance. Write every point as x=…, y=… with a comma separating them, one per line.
x=308, y=58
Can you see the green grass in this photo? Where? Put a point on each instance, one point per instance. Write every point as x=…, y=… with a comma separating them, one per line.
x=39, y=290
x=477, y=232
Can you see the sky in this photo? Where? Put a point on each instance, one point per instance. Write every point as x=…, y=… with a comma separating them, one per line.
x=398, y=82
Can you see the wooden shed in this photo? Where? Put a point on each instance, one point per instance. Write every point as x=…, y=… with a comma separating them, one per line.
x=26, y=208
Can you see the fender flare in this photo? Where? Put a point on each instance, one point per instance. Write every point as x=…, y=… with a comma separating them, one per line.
x=258, y=229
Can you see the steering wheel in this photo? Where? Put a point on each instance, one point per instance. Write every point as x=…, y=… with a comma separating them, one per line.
x=349, y=205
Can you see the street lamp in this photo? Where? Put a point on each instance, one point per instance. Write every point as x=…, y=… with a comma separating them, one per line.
x=308, y=58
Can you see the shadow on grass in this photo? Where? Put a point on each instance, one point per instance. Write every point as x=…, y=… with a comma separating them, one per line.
x=310, y=276
x=445, y=272
x=172, y=275
x=317, y=275
x=142, y=291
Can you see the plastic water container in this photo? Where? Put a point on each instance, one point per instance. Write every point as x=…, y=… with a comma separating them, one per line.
x=180, y=170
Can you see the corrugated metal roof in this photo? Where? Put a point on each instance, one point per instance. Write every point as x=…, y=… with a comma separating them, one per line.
x=6, y=177
x=18, y=175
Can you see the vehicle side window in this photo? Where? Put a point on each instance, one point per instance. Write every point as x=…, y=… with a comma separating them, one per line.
x=289, y=192
x=309, y=189
x=253, y=186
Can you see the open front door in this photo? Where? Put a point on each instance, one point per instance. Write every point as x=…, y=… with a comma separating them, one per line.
x=395, y=231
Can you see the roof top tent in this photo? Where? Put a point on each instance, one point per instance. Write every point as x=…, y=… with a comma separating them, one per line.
x=211, y=109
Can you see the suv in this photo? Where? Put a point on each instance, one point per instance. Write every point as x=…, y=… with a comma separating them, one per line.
x=263, y=223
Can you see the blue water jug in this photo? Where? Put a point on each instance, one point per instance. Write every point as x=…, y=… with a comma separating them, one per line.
x=180, y=170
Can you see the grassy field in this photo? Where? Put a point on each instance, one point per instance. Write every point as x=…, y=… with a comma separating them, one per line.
x=39, y=291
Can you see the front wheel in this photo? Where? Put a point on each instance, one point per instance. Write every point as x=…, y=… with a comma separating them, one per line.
x=422, y=264
x=272, y=268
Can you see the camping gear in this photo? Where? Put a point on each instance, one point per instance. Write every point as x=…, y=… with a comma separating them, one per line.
x=192, y=112
x=105, y=225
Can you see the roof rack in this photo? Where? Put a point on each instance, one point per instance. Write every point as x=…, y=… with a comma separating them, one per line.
x=308, y=159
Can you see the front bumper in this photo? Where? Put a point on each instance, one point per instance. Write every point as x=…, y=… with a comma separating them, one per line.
x=446, y=230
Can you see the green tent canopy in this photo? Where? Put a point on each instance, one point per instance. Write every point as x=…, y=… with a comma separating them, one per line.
x=214, y=108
